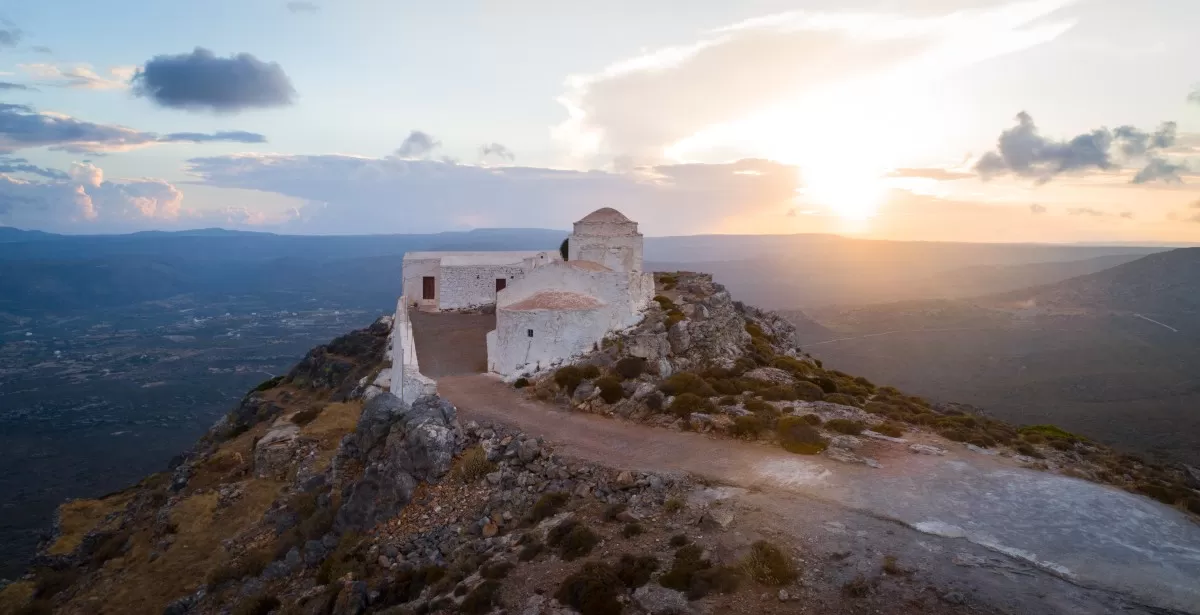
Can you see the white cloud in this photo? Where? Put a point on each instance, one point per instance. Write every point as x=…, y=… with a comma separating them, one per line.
x=81, y=76
x=87, y=203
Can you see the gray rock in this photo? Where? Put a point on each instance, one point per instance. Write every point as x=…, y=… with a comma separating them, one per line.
x=925, y=449
x=716, y=518
x=845, y=442
x=273, y=453
x=583, y=391
x=658, y=600
x=679, y=337
x=784, y=596
x=528, y=450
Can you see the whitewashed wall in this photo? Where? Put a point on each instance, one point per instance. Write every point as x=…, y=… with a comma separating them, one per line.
x=407, y=381
x=617, y=252
x=471, y=286
x=414, y=270
x=624, y=295
x=557, y=335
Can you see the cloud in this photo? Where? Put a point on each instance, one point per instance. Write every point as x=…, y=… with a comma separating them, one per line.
x=7, y=86
x=346, y=194
x=83, y=201
x=642, y=105
x=1194, y=96
x=930, y=173
x=1024, y=152
x=9, y=37
x=1128, y=215
x=302, y=7
x=235, y=136
x=201, y=81
x=80, y=76
x=1084, y=211
x=1036, y=209
x=20, y=165
x=498, y=150
x=23, y=127
x=417, y=145
x=41, y=49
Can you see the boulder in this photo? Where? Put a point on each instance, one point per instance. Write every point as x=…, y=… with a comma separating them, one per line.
x=716, y=518
x=658, y=600
x=925, y=449
x=771, y=374
x=274, y=452
x=649, y=346
x=679, y=338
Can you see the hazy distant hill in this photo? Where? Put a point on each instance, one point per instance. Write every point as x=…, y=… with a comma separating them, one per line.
x=1075, y=352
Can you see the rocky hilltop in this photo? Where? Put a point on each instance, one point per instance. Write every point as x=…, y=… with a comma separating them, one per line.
x=319, y=493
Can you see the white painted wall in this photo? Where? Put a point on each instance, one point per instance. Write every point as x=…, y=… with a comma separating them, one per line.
x=462, y=287
x=557, y=335
x=407, y=381
x=617, y=246
x=413, y=271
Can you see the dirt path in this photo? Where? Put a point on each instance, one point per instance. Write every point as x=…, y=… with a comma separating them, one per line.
x=1091, y=534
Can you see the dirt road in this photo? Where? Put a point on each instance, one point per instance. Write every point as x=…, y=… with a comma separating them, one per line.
x=1095, y=536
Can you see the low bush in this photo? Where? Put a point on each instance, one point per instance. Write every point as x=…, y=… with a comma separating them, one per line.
x=1050, y=432
x=612, y=511
x=808, y=391
x=687, y=403
x=779, y=393
x=530, y=551
x=827, y=384
x=632, y=529
x=547, y=506
x=756, y=405
x=728, y=400
x=857, y=587
x=267, y=385
x=572, y=539
x=307, y=415
x=1028, y=450
x=521, y=383
x=593, y=590
x=687, y=382
x=845, y=426
x=673, y=505
x=654, y=401
x=408, y=584
x=472, y=466
x=894, y=430
x=892, y=566
x=482, y=599
x=756, y=331
x=792, y=365
x=257, y=605
x=568, y=378
x=679, y=540
x=635, y=572
x=797, y=436
x=842, y=398
x=610, y=389
x=768, y=564
x=630, y=367
x=748, y=426
x=247, y=565
x=674, y=317
x=496, y=570
x=697, y=577
x=811, y=419
x=664, y=302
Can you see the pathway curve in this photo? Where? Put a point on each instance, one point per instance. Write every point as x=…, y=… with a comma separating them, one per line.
x=1094, y=535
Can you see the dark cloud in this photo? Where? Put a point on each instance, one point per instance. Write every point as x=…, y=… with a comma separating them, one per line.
x=1084, y=211
x=1024, y=152
x=417, y=145
x=349, y=194
x=235, y=136
x=20, y=165
x=41, y=49
x=9, y=37
x=1036, y=209
x=23, y=127
x=202, y=81
x=302, y=7
x=6, y=86
x=930, y=173
x=498, y=150
x=1160, y=169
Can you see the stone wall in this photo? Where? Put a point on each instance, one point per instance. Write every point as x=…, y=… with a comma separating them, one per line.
x=407, y=381
x=414, y=271
x=469, y=286
x=617, y=252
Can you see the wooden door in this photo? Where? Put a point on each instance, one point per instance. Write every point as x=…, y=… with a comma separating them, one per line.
x=427, y=287
x=501, y=283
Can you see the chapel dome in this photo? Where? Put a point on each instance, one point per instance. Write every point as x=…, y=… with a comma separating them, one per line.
x=606, y=214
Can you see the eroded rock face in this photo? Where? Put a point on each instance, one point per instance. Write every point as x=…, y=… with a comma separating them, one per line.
x=400, y=446
x=275, y=451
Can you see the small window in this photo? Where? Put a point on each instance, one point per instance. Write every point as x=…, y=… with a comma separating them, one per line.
x=530, y=332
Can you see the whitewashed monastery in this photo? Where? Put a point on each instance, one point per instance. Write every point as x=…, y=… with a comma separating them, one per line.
x=547, y=309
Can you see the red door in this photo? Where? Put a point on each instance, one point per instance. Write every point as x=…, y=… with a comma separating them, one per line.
x=427, y=286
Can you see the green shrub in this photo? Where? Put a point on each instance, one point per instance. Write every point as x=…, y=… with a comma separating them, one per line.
x=654, y=401
x=863, y=382
x=610, y=389
x=797, y=436
x=673, y=505
x=748, y=426
x=845, y=426
x=593, y=590
x=827, y=384
x=808, y=391
x=568, y=378
x=496, y=570
x=632, y=529
x=572, y=539
x=482, y=599
x=1051, y=432
x=248, y=565
x=408, y=584
x=673, y=317
x=472, y=466
x=894, y=430
x=257, y=605
x=687, y=403
x=728, y=400
x=521, y=383
x=697, y=577
x=768, y=564
x=635, y=572
x=1028, y=450
x=564, y=249
x=811, y=419
x=547, y=506
x=857, y=587
x=842, y=398
x=756, y=331
x=530, y=551
x=307, y=415
x=686, y=382
x=612, y=510
x=679, y=540
x=630, y=367
x=779, y=393
x=664, y=302
x=791, y=364
x=756, y=405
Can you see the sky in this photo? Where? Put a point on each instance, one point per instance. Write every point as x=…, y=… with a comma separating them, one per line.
x=963, y=120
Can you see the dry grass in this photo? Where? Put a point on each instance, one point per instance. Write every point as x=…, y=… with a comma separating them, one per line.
x=335, y=421
x=78, y=517
x=13, y=597
x=472, y=466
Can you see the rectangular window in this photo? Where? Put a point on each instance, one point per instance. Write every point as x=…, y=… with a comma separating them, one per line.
x=501, y=284
x=427, y=287
x=530, y=332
